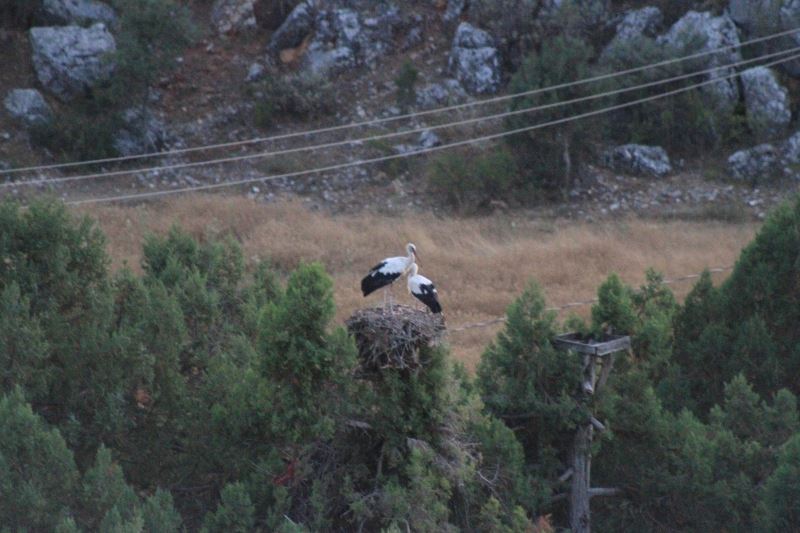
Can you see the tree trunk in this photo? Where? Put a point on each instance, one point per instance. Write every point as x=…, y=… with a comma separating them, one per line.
x=567, y=167
x=579, y=514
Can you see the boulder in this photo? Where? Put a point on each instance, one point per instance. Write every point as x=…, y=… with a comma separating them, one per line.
x=230, y=16
x=474, y=60
x=141, y=133
x=429, y=139
x=754, y=164
x=28, y=106
x=70, y=60
x=447, y=92
x=79, y=12
x=635, y=24
x=638, y=159
x=338, y=38
x=766, y=101
x=703, y=32
x=337, y=42
x=255, y=72
x=762, y=17
x=297, y=26
x=790, y=157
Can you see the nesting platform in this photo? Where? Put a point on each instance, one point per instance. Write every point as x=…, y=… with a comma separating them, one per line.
x=593, y=346
x=392, y=337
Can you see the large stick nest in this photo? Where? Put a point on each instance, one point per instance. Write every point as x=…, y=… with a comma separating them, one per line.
x=392, y=337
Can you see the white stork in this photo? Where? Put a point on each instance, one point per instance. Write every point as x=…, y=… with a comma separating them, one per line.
x=423, y=290
x=388, y=270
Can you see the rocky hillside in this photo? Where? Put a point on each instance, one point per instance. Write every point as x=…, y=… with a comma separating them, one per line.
x=85, y=79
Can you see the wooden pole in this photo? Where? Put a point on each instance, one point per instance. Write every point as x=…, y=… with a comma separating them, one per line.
x=579, y=512
x=580, y=460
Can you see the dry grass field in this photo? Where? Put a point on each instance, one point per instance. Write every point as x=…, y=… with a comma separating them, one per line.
x=478, y=264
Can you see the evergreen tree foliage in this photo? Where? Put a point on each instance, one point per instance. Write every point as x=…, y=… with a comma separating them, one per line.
x=235, y=513
x=230, y=384
x=749, y=324
x=780, y=509
x=38, y=476
x=525, y=381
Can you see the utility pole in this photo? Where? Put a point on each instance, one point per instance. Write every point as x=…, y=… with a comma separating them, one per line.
x=598, y=360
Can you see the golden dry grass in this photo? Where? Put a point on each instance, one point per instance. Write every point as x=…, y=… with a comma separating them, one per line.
x=478, y=264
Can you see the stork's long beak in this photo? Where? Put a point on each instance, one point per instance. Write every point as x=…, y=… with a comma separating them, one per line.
x=416, y=256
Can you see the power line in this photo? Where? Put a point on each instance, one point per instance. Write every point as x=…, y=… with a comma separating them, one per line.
x=406, y=116
x=390, y=135
x=152, y=194
x=501, y=319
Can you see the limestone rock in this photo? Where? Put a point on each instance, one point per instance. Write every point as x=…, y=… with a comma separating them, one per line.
x=754, y=164
x=474, y=60
x=65, y=12
x=70, y=60
x=28, y=106
x=454, y=10
x=790, y=157
x=766, y=100
x=447, y=92
x=229, y=16
x=703, y=32
x=639, y=159
x=637, y=23
x=297, y=26
x=141, y=133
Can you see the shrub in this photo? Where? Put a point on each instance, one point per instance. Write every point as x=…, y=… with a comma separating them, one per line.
x=303, y=96
x=19, y=13
x=469, y=181
x=687, y=122
x=151, y=34
x=84, y=130
x=405, y=81
x=551, y=156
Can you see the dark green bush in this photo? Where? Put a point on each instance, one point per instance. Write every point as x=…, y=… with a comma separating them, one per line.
x=550, y=157
x=301, y=96
x=688, y=122
x=470, y=181
x=405, y=81
x=18, y=13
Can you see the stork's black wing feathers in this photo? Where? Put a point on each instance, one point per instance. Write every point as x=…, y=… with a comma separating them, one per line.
x=428, y=297
x=377, y=279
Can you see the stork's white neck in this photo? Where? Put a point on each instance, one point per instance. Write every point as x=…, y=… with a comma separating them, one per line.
x=412, y=270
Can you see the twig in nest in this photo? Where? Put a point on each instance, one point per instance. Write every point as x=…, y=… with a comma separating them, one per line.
x=393, y=338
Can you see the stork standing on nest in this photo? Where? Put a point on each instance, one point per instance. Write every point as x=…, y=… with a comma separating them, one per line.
x=423, y=290
x=384, y=273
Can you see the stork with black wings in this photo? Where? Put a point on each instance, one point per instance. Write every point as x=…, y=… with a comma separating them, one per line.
x=423, y=290
x=387, y=271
